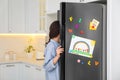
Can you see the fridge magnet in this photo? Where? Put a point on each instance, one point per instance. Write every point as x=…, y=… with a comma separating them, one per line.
x=70, y=18
x=82, y=62
x=94, y=24
x=82, y=46
x=81, y=32
x=78, y=61
x=80, y=20
x=96, y=63
x=76, y=26
x=89, y=63
x=70, y=30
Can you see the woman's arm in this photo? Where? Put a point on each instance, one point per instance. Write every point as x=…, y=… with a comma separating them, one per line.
x=59, y=51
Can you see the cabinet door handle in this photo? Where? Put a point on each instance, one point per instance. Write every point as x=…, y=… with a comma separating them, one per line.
x=38, y=69
x=10, y=65
x=27, y=66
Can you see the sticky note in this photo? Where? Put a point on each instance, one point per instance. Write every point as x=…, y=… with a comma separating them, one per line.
x=70, y=18
x=94, y=24
x=70, y=30
x=96, y=63
x=80, y=20
x=76, y=26
x=89, y=63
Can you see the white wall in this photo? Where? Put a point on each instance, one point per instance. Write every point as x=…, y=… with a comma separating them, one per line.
x=113, y=39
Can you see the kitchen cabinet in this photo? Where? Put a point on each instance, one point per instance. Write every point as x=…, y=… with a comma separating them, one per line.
x=32, y=16
x=21, y=71
x=20, y=16
x=52, y=6
x=28, y=72
x=3, y=16
x=16, y=16
x=9, y=72
x=39, y=73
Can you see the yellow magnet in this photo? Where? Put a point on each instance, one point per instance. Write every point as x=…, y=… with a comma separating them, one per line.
x=70, y=18
x=89, y=63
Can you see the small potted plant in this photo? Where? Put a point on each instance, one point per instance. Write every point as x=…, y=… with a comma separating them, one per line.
x=29, y=50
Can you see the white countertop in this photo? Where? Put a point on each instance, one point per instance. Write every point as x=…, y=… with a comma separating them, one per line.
x=31, y=61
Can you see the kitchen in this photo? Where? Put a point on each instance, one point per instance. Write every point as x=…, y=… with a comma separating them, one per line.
x=25, y=24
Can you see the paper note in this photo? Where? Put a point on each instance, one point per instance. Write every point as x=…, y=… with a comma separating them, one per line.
x=81, y=46
x=94, y=24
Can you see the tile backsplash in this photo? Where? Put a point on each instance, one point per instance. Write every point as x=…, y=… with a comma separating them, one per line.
x=18, y=43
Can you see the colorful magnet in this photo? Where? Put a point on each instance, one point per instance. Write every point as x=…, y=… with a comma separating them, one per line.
x=70, y=18
x=73, y=36
x=78, y=61
x=96, y=63
x=80, y=20
x=81, y=32
x=89, y=63
x=76, y=26
x=94, y=24
x=82, y=62
x=70, y=30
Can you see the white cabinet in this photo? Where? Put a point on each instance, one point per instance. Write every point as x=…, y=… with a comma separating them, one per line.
x=19, y=16
x=53, y=5
x=28, y=72
x=21, y=71
x=16, y=16
x=9, y=72
x=3, y=16
x=32, y=16
x=39, y=74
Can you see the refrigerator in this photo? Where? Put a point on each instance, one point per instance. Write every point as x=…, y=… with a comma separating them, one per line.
x=83, y=34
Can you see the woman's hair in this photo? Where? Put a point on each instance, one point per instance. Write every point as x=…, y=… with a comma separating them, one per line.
x=54, y=30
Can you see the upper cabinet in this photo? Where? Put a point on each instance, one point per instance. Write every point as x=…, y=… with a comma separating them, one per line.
x=32, y=16
x=3, y=16
x=16, y=16
x=53, y=5
x=21, y=16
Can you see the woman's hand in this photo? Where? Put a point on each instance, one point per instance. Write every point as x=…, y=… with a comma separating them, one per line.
x=59, y=50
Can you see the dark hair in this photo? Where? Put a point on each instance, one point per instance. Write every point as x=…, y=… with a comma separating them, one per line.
x=54, y=30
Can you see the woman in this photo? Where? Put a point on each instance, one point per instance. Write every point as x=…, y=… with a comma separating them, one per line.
x=52, y=53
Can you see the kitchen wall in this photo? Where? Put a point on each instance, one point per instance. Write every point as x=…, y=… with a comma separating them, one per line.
x=18, y=43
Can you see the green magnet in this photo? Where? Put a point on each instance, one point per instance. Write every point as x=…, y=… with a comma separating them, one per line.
x=80, y=20
x=73, y=36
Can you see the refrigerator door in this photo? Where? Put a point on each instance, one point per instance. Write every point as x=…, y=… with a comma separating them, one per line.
x=83, y=35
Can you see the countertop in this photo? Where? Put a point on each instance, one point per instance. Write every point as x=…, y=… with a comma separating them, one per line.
x=32, y=61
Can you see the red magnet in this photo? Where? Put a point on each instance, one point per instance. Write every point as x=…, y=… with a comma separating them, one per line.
x=81, y=32
x=70, y=30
